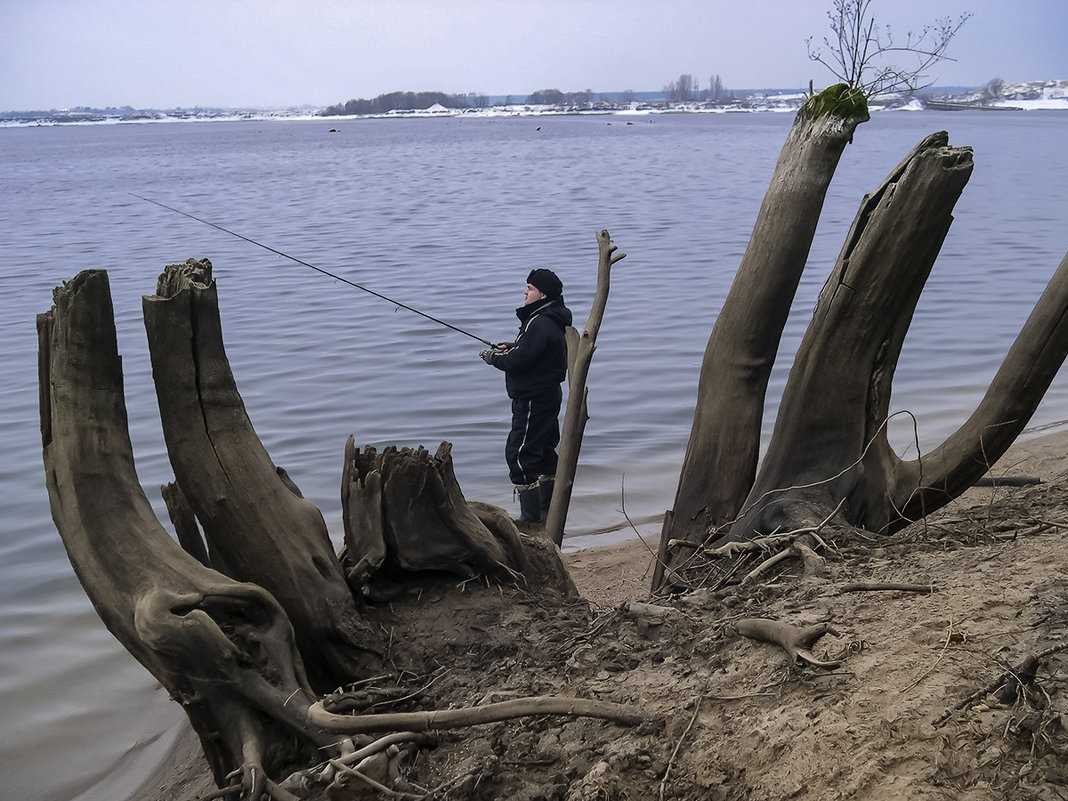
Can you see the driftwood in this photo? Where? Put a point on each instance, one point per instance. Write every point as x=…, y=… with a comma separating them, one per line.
x=223, y=649
x=580, y=354
x=1008, y=685
x=1008, y=481
x=885, y=586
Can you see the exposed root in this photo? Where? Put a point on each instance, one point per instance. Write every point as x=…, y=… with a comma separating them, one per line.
x=1009, y=683
x=879, y=586
x=767, y=564
x=678, y=745
x=382, y=743
x=796, y=642
x=470, y=716
x=250, y=781
x=371, y=772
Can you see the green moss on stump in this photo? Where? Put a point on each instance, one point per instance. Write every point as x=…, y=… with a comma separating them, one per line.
x=838, y=100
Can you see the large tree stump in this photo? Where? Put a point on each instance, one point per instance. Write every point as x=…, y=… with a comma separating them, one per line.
x=830, y=434
x=721, y=455
x=406, y=520
x=829, y=458
x=829, y=462
x=221, y=648
x=257, y=525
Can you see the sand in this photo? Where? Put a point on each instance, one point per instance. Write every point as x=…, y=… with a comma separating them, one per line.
x=732, y=718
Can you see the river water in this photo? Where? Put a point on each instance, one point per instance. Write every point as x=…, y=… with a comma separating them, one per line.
x=448, y=216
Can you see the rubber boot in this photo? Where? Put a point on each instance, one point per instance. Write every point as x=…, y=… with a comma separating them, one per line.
x=545, y=490
x=529, y=502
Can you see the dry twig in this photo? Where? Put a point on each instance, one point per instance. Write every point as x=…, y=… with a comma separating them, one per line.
x=876, y=586
x=678, y=745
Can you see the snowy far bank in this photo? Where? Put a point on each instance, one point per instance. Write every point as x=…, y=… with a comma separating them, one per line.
x=1049, y=95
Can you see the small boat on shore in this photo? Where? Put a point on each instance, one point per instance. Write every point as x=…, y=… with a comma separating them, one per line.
x=941, y=105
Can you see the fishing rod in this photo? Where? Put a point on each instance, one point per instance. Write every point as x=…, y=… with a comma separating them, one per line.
x=317, y=269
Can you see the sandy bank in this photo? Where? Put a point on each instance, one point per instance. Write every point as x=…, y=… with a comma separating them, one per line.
x=738, y=722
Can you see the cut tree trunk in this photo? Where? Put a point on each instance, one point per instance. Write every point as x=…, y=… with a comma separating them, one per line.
x=406, y=519
x=721, y=456
x=223, y=649
x=257, y=525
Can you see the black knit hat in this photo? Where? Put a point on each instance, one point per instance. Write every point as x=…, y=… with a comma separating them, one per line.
x=546, y=282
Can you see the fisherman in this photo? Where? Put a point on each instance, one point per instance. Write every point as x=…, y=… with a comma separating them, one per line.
x=534, y=367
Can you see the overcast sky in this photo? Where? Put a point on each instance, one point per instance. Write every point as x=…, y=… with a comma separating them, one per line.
x=276, y=53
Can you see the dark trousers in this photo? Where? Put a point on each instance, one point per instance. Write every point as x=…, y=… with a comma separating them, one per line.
x=531, y=447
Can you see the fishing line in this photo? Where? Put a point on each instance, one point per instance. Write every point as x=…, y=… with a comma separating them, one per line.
x=312, y=266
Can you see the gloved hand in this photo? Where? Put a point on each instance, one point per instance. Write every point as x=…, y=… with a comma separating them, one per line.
x=487, y=355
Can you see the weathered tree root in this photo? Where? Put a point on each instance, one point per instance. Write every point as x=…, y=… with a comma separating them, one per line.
x=1008, y=684
x=887, y=586
x=470, y=716
x=796, y=642
x=375, y=766
x=1008, y=481
x=813, y=562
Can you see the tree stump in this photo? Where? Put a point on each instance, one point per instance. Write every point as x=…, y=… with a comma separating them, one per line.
x=829, y=462
x=721, y=455
x=405, y=513
x=257, y=525
x=223, y=649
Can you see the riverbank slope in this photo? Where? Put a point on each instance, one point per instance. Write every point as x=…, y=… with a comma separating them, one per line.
x=734, y=720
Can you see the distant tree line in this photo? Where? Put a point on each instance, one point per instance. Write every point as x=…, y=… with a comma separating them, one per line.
x=687, y=90
x=554, y=97
x=393, y=101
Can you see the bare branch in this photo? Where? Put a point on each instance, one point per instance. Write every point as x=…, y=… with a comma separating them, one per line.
x=859, y=52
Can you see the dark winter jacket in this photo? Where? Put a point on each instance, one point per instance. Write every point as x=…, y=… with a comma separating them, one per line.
x=537, y=362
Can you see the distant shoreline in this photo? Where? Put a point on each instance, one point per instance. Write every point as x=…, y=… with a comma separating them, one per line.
x=1049, y=95
x=495, y=113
